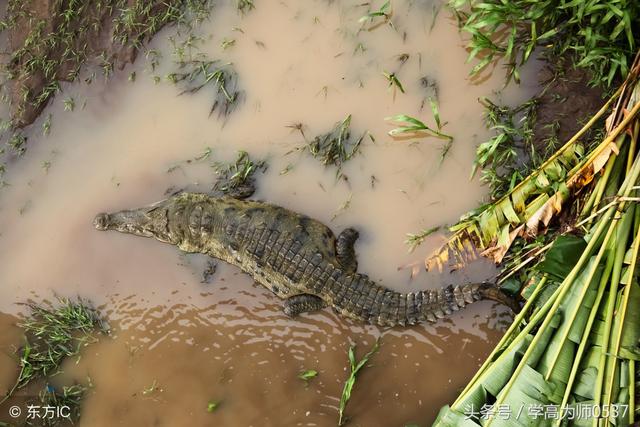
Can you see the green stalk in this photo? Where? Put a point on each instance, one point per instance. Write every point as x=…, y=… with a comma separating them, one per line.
x=591, y=201
x=554, y=303
x=627, y=186
x=622, y=312
x=632, y=391
x=519, y=319
x=624, y=124
x=634, y=140
x=603, y=249
x=604, y=179
x=585, y=337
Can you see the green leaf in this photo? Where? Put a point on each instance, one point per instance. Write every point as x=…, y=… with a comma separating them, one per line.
x=436, y=112
x=630, y=342
x=562, y=256
x=351, y=381
x=212, y=406
x=308, y=374
x=528, y=389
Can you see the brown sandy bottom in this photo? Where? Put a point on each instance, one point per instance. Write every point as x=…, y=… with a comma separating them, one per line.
x=178, y=343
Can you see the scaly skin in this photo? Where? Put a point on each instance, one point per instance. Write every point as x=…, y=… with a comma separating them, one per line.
x=296, y=257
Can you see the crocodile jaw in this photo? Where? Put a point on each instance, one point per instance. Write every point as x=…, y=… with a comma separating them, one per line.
x=145, y=222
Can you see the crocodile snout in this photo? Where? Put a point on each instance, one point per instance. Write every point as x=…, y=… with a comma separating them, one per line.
x=101, y=221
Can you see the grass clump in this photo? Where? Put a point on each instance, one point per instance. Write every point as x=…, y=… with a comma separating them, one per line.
x=503, y=157
x=223, y=77
x=244, y=6
x=68, y=400
x=599, y=34
x=336, y=146
x=351, y=381
x=53, y=334
x=50, y=45
x=237, y=178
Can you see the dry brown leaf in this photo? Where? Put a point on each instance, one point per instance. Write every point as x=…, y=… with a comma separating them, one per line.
x=608, y=124
x=583, y=177
x=602, y=157
x=497, y=252
x=458, y=251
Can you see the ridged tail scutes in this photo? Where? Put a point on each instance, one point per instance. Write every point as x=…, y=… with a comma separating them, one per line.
x=437, y=304
x=431, y=305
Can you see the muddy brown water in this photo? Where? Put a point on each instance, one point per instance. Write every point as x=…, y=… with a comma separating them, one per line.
x=178, y=343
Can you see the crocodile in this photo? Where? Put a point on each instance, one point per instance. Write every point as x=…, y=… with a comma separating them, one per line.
x=298, y=258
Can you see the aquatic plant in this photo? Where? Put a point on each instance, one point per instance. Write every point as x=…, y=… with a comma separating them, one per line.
x=307, y=374
x=70, y=397
x=384, y=12
x=18, y=142
x=223, y=77
x=53, y=334
x=599, y=34
x=244, y=6
x=412, y=127
x=576, y=341
x=351, y=380
x=336, y=146
x=237, y=178
x=393, y=81
x=213, y=406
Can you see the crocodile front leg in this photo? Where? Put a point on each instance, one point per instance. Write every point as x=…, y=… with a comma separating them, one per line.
x=345, y=252
x=302, y=303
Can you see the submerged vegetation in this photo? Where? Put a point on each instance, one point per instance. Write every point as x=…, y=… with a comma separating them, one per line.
x=382, y=15
x=410, y=127
x=355, y=366
x=223, y=77
x=53, y=334
x=336, y=146
x=69, y=398
x=237, y=178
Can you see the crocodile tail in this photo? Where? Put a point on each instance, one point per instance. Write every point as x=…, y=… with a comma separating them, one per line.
x=436, y=304
x=492, y=292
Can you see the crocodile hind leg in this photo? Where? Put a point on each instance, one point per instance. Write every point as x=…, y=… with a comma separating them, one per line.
x=345, y=252
x=302, y=303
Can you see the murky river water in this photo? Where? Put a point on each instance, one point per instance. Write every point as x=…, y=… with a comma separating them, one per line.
x=126, y=143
